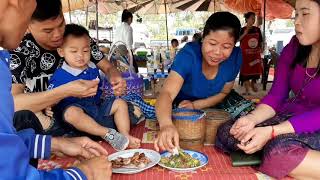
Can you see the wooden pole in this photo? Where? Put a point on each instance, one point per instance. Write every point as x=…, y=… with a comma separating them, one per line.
x=264, y=21
x=69, y=11
x=166, y=15
x=97, y=21
x=87, y=14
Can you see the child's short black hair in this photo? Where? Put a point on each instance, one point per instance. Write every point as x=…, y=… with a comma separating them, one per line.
x=75, y=30
x=174, y=41
x=47, y=9
x=223, y=21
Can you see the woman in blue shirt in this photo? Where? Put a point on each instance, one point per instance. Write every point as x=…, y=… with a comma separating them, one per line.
x=202, y=74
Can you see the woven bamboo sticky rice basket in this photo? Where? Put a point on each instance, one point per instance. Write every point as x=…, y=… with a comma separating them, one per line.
x=190, y=124
x=214, y=118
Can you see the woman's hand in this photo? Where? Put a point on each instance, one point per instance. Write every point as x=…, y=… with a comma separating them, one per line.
x=82, y=147
x=119, y=85
x=186, y=104
x=242, y=126
x=255, y=139
x=167, y=139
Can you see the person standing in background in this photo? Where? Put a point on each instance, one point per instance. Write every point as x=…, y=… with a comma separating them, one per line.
x=251, y=45
x=174, y=48
x=184, y=41
x=197, y=37
x=124, y=33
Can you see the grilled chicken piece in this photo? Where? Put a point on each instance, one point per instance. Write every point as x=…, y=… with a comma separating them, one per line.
x=138, y=160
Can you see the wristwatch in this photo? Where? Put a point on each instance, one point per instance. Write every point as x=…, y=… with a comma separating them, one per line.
x=110, y=134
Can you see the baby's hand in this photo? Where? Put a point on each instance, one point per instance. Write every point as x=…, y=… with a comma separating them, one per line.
x=48, y=112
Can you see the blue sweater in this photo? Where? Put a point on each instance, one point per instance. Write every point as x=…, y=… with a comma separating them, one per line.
x=18, y=147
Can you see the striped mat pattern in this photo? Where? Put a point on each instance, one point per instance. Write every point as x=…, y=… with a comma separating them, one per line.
x=218, y=168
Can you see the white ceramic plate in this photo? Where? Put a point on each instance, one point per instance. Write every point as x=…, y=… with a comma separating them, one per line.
x=151, y=154
x=197, y=155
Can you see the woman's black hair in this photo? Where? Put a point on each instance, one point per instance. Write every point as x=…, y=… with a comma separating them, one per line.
x=248, y=15
x=303, y=53
x=126, y=15
x=223, y=21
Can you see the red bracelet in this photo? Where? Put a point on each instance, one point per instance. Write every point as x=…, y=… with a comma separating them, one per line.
x=273, y=134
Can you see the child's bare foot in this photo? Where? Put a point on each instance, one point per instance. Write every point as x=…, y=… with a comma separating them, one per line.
x=133, y=142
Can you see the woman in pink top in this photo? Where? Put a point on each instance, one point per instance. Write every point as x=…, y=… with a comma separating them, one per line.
x=287, y=128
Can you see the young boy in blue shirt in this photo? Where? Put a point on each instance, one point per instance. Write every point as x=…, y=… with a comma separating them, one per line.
x=17, y=148
x=89, y=114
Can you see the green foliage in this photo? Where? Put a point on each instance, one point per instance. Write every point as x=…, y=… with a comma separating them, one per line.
x=156, y=23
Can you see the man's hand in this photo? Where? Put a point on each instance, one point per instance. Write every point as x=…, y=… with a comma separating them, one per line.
x=186, y=104
x=119, y=85
x=98, y=168
x=81, y=88
x=82, y=147
x=48, y=112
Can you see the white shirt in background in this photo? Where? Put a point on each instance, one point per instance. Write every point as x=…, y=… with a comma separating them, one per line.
x=124, y=33
x=181, y=45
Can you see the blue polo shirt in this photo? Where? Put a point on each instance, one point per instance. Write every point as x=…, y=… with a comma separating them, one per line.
x=188, y=64
x=18, y=147
x=66, y=74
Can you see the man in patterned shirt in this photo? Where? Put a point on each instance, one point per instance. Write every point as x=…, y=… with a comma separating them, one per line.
x=34, y=62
